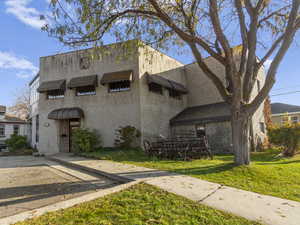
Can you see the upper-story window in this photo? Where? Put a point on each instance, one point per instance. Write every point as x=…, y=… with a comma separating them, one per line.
x=85, y=85
x=175, y=94
x=2, y=130
x=119, y=86
x=155, y=88
x=88, y=90
x=53, y=89
x=16, y=129
x=262, y=127
x=56, y=94
x=295, y=119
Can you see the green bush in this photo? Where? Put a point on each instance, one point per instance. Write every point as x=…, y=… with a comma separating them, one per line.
x=286, y=136
x=16, y=143
x=85, y=140
x=127, y=137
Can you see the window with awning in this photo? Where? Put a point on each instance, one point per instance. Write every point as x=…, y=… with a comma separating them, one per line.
x=85, y=85
x=118, y=81
x=54, y=89
x=172, y=86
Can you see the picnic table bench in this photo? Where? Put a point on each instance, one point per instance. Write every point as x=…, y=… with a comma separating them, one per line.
x=179, y=148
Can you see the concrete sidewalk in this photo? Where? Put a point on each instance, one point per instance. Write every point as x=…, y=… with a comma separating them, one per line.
x=266, y=209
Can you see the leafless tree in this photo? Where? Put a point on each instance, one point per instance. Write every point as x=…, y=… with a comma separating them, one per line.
x=21, y=106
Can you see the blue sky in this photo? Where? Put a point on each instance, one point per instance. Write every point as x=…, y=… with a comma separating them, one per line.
x=22, y=43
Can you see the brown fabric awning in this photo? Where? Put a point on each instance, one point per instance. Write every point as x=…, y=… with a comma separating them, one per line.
x=169, y=84
x=84, y=81
x=52, y=86
x=66, y=114
x=117, y=76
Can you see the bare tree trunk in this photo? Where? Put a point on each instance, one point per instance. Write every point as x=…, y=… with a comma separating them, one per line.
x=240, y=138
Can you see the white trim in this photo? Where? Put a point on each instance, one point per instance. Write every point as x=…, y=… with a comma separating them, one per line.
x=286, y=114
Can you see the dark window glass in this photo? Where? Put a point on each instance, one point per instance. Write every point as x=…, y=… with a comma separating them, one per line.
x=262, y=127
x=57, y=94
x=2, y=130
x=200, y=130
x=119, y=86
x=89, y=90
x=37, y=124
x=16, y=129
x=2, y=113
x=156, y=88
x=175, y=94
x=294, y=119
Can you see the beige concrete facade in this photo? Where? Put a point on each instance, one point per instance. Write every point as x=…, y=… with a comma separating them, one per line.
x=147, y=111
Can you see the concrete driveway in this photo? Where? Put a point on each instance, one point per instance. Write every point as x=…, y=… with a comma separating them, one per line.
x=28, y=183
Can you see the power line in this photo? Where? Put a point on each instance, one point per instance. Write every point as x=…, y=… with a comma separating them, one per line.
x=285, y=93
x=286, y=88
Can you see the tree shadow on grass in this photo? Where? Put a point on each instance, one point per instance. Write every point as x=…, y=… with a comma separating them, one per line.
x=206, y=169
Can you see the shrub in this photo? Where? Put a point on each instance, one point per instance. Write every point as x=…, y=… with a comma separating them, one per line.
x=16, y=142
x=85, y=140
x=286, y=136
x=127, y=137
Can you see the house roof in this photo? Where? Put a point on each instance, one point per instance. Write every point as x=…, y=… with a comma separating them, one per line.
x=34, y=79
x=216, y=112
x=278, y=108
x=12, y=119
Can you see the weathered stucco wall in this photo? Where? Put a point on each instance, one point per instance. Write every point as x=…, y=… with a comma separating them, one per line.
x=218, y=135
x=104, y=111
x=156, y=109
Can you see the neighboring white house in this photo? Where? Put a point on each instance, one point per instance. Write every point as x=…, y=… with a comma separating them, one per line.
x=148, y=90
x=10, y=125
x=34, y=111
x=285, y=113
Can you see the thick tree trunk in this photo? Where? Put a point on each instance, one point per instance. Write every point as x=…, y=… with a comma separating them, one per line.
x=241, y=138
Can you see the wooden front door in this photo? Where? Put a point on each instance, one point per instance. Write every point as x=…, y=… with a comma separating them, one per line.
x=73, y=125
x=64, y=136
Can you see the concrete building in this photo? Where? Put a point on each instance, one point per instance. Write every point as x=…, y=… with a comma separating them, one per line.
x=285, y=113
x=34, y=112
x=10, y=125
x=146, y=89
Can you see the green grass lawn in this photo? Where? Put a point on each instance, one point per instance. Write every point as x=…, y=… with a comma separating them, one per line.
x=141, y=204
x=266, y=175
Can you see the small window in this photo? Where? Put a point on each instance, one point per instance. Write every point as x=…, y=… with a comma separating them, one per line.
x=175, y=94
x=57, y=94
x=155, y=88
x=2, y=130
x=262, y=127
x=16, y=129
x=294, y=119
x=89, y=90
x=200, y=130
x=119, y=86
x=37, y=124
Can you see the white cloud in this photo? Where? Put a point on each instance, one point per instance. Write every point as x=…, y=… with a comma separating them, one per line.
x=24, y=13
x=267, y=64
x=21, y=66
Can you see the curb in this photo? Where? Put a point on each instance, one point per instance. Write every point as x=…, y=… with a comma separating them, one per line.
x=119, y=179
